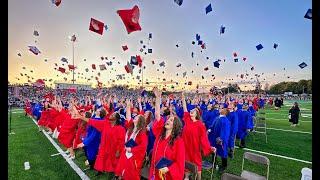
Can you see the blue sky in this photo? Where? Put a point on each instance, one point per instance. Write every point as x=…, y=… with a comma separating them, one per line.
x=248, y=23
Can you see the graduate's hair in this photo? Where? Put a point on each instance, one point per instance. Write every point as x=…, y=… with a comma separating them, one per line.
x=149, y=118
x=117, y=118
x=141, y=125
x=166, y=112
x=103, y=113
x=176, y=130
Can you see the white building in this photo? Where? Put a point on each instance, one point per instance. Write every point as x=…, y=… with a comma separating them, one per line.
x=78, y=86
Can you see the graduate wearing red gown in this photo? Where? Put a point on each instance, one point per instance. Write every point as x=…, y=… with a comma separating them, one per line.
x=43, y=121
x=129, y=167
x=168, y=144
x=53, y=114
x=195, y=137
x=175, y=153
x=27, y=108
x=68, y=131
x=112, y=142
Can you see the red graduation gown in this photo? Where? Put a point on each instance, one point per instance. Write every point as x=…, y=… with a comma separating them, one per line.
x=53, y=113
x=131, y=168
x=68, y=131
x=81, y=133
x=175, y=153
x=62, y=115
x=43, y=121
x=196, y=139
x=112, y=140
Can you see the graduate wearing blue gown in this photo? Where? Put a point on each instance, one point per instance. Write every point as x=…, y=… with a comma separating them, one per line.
x=233, y=118
x=92, y=140
x=210, y=115
x=220, y=134
x=243, y=122
x=261, y=103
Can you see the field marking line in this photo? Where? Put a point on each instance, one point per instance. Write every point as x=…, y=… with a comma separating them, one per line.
x=65, y=156
x=284, y=120
x=276, y=155
x=287, y=130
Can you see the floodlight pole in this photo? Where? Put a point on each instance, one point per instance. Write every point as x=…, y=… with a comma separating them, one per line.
x=73, y=62
x=142, y=76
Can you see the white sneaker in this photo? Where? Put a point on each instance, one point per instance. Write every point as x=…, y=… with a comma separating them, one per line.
x=86, y=163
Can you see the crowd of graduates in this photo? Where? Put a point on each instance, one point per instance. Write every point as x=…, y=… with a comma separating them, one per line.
x=119, y=131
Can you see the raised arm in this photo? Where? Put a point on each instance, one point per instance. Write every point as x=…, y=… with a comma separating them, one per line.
x=184, y=104
x=128, y=110
x=157, y=93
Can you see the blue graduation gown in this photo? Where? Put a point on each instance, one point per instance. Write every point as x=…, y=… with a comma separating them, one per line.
x=252, y=113
x=233, y=118
x=208, y=117
x=151, y=139
x=92, y=141
x=221, y=129
x=243, y=119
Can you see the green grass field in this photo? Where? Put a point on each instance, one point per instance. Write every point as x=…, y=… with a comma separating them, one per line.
x=27, y=144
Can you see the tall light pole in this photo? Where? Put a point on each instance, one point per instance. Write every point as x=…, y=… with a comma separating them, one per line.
x=73, y=39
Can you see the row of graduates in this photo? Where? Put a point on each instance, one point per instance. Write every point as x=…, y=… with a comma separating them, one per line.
x=118, y=144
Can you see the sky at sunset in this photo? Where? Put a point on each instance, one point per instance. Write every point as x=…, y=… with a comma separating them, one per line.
x=248, y=23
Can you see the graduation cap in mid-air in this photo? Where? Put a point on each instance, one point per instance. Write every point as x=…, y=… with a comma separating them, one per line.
x=64, y=60
x=308, y=14
x=197, y=37
x=63, y=70
x=162, y=64
x=252, y=68
x=179, y=2
x=206, y=68
x=184, y=74
x=222, y=29
x=124, y=48
x=244, y=58
x=71, y=67
x=102, y=67
x=56, y=2
x=133, y=60
x=96, y=26
x=275, y=46
x=236, y=60
x=259, y=47
x=149, y=50
x=128, y=68
x=216, y=64
x=303, y=65
x=109, y=63
x=208, y=8
x=178, y=65
x=130, y=18
x=19, y=54
x=34, y=50
x=35, y=33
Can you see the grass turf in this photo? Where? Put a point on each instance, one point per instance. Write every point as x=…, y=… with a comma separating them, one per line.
x=25, y=146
